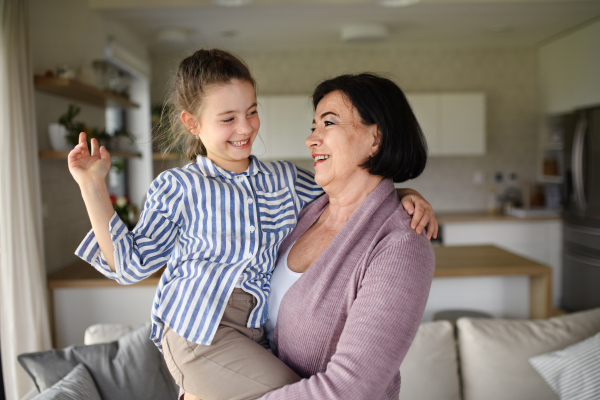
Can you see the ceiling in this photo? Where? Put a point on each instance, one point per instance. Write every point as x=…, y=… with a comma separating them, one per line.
x=315, y=24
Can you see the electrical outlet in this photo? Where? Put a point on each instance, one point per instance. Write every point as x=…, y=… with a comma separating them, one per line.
x=498, y=177
x=477, y=178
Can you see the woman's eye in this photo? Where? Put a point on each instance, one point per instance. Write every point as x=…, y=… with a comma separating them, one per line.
x=312, y=129
x=327, y=123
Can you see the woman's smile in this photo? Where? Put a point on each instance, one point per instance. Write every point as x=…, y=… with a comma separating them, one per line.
x=320, y=158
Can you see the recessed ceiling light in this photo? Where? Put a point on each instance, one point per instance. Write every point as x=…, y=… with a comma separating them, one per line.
x=231, y=3
x=172, y=36
x=500, y=29
x=228, y=34
x=396, y=3
x=364, y=32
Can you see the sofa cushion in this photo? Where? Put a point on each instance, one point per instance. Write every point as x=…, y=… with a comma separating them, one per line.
x=77, y=385
x=130, y=368
x=104, y=333
x=430, y=369
x=494, y=353
x=574, y=372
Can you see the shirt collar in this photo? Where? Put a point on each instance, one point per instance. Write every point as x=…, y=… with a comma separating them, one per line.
x=208, y=168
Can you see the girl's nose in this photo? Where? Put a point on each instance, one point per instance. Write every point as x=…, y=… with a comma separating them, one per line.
x=245, y=127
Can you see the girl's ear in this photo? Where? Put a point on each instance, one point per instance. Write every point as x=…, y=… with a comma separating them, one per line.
x=190, y=122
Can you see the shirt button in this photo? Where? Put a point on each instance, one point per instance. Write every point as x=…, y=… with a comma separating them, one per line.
x=250, y=201
x=240, y=178
x=248, y=256
x=252, y=228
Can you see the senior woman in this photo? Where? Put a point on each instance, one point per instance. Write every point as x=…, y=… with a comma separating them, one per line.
x=352, y=279
x=355, y=276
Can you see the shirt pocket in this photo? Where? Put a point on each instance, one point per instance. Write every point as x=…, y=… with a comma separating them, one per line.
x=276, y=210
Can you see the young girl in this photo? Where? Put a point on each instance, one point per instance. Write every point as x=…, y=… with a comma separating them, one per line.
x=217, y=223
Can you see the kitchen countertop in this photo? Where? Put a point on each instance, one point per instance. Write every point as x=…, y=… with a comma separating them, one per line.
x=482, y=216
x=450, y=261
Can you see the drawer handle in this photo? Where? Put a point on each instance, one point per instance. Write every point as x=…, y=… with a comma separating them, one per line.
x=582, y=229
x=582, y=259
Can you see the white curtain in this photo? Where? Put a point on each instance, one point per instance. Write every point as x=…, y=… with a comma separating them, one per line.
x=24, y=325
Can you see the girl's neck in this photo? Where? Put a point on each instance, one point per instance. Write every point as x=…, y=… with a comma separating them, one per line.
x=235, y=166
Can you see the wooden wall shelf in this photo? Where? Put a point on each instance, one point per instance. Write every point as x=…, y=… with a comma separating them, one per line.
x=63, y=155
x=78, y=91
x=168, y=156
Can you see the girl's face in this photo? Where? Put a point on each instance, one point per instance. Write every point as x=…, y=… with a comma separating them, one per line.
x=227, y=124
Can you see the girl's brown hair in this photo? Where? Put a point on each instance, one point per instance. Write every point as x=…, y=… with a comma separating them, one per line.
x=196, y=74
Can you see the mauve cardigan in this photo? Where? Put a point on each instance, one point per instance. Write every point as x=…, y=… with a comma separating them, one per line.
x=347, y=323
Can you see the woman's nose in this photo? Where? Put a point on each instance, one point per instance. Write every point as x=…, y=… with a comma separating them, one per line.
x=314, y=139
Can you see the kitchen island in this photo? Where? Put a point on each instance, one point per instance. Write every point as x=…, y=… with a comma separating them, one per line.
x=478, y=261
x=81, y=296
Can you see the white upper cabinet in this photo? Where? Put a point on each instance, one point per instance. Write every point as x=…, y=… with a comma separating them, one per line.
x=285, y=125
x=426, y=106
x=453, y=123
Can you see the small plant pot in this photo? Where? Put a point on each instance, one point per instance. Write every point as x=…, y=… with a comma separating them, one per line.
x=58, y=137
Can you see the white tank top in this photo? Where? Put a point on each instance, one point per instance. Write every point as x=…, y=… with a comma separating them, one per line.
x=283, y=278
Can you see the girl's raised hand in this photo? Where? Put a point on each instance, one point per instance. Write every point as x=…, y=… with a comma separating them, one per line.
x=85, y=167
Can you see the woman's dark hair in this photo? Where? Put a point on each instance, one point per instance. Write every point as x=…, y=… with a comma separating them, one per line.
x=402, y=153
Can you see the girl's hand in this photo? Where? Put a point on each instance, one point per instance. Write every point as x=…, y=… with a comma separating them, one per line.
x=421, y=211
x=85, y=167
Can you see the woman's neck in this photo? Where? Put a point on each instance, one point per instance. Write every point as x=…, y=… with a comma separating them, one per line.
x=344, y=201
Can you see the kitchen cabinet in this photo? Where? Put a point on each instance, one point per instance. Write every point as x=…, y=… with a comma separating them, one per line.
x=539, y=240
x=285, y=123
x=453, y=123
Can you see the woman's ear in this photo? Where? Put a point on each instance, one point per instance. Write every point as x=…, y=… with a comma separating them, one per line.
x=190, y=122
x=376, y=140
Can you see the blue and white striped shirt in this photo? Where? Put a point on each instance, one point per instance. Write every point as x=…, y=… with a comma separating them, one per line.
x=211, y=227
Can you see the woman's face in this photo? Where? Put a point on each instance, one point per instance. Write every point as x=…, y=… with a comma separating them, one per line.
x=340, y=142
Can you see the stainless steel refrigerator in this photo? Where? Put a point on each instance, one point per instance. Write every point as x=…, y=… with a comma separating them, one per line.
x=581, y=194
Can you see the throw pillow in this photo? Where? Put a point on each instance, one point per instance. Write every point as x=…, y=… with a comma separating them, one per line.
x=574, y=372
x=130, y=368
x=429, y=370
x=77, y=385
x=494, y=353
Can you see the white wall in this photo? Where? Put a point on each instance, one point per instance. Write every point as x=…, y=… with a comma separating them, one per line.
x=570, y=70
x=67, y=32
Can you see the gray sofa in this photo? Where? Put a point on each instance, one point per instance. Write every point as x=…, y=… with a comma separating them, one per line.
x=488, y=360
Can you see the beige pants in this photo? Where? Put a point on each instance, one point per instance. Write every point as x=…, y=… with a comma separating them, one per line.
x=236, y=365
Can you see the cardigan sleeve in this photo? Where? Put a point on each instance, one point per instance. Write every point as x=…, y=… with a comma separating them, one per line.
x=380, y=327
x=141, y=252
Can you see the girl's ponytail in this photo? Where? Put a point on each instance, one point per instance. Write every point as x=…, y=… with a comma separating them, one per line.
x=195, y=75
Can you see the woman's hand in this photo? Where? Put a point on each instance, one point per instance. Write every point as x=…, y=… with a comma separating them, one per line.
x=85, y=167
x=421, y=211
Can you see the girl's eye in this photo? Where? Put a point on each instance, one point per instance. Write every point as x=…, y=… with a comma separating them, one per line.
x=312, y=129
x=228, y=120
x=253, y=112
